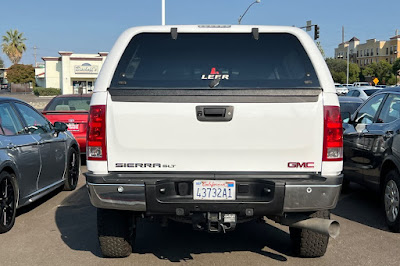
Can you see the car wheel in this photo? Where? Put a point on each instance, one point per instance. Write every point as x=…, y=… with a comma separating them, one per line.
x=72, y=173
x=307, y=243
x=8, y=201
x=391, y=200
x=116, y=232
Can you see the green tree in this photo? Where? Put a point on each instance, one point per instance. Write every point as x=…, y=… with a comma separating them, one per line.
x=382, y=70
x=13, y=45
x=396, y=66
x=19, y=73
x=338, y=68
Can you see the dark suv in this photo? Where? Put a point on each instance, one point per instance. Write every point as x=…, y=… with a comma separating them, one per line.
x=371, y=140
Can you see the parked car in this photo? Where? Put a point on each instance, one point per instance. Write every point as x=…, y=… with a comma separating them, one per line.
x=362, y=92
x=340, y=89
x=348, y=105
x=380, y=86
x=72, y=109
x=361, y=84
x=4, y=86
x=184, y=133
x=36, y=157
x=372, y=150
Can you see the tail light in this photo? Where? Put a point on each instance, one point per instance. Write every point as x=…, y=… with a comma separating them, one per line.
x=333, y=134
x=96, y=134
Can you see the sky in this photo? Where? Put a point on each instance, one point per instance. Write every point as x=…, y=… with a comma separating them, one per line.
x=92, y=26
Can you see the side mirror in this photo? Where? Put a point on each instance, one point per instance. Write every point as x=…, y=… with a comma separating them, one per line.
x=60, y=127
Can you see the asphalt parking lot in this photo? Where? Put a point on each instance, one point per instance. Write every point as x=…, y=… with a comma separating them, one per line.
x=61, y=230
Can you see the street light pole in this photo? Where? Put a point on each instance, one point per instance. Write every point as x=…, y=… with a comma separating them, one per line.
x=348, y=58
x=163, y=12
x=240, y=18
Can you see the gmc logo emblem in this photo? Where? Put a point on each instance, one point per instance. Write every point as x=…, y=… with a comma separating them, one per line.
x=300, y=165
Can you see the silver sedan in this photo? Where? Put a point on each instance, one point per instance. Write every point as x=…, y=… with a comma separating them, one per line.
x=362, y=92
x=36, y=157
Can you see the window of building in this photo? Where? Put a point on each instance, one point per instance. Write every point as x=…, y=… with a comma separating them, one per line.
x=372, y=52
x=377, y=51
x=391, y=60
x=395, y=49
x=357, y=53
x=391, y=49
x=387, y=51
x=387, y=60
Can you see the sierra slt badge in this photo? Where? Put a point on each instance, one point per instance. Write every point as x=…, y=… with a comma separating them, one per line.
x=145, y=165
x=214, y=74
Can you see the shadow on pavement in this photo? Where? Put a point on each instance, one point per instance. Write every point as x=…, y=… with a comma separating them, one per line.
x=361, y=205
x=76, y=220
x=179, y=241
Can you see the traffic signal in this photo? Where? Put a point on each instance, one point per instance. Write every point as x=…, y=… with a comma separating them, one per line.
x=316, y=32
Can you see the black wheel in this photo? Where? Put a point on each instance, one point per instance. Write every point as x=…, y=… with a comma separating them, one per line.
x=8, y=201
x=391, y=200
x=116, y=232
x=307, y=243
x=72, y=173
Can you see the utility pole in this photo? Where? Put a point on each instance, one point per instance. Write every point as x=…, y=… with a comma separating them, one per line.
x=34, y=53
x=348, y=63
x=163, y=12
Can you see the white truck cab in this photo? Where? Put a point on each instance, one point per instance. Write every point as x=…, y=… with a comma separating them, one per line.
x=215, y=125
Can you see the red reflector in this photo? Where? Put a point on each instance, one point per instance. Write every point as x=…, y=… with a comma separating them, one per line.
x=333, y=134
x=96, y=134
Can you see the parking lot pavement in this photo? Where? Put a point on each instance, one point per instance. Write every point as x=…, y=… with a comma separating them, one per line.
x=37, y=102
x=61, y=230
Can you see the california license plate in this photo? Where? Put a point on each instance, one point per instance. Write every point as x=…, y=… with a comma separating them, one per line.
x=73, y=127
x=214, y=190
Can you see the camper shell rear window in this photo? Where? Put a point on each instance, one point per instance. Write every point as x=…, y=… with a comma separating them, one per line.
x=214, y=60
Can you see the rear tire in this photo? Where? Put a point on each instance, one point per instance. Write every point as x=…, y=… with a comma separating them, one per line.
x=116, y=233
x=72, y=172
x=307, y=243
x=8, y=201
x=391, y=200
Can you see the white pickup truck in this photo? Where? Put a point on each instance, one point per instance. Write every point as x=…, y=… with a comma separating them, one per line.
x=215, y=125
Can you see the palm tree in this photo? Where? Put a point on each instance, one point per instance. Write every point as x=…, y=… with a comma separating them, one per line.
x=13, y=45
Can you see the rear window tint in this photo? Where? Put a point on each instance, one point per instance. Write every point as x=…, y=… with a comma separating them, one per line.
x=69, y=104
x=155, y=60
x=370, y=92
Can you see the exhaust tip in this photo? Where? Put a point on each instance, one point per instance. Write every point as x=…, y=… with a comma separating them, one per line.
x=334, y=229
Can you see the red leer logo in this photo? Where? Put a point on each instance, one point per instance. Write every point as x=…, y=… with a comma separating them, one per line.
x=214, y=74
x=214, y=71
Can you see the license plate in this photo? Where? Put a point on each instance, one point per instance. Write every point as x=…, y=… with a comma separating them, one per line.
x=73, y=127
x=214, y=190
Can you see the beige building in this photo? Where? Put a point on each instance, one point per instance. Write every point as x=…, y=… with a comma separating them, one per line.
x=70, y=71
x=372, y=51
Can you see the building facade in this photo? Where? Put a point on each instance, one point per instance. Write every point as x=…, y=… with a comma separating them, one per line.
x=72, y=73
x=370, y=52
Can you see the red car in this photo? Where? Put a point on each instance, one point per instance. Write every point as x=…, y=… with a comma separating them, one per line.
x=72, y=109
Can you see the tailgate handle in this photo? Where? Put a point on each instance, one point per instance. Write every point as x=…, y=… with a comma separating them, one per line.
x=214, y=113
